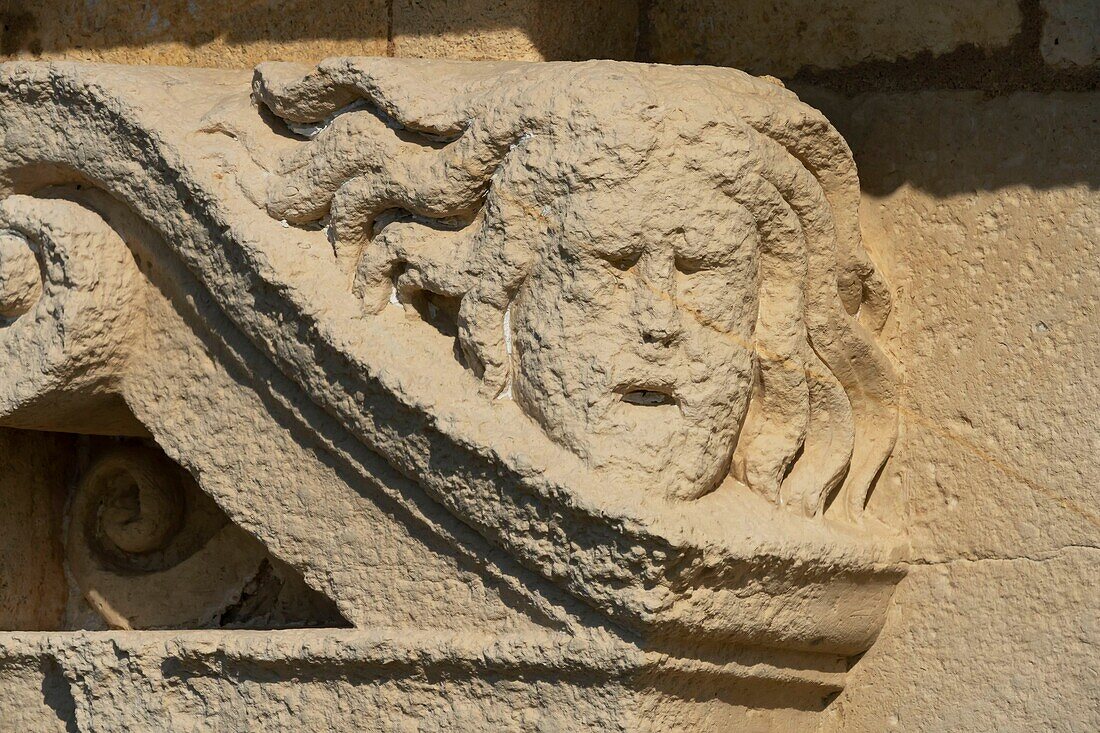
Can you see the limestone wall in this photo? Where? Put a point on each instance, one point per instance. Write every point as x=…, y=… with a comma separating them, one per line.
x=974, y=126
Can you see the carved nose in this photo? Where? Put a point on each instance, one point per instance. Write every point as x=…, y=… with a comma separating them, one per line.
x=658, y=317
x=655, y=306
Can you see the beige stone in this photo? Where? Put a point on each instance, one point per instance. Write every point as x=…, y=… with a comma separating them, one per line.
x=532, y=30
x=1006, y=645
x=766, y=37
x=993, y=250
x=986, y=224
x=405, y=324
x=1071, y=33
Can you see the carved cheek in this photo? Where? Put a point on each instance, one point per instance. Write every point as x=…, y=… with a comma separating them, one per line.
x=716, y=301
x=585, y=283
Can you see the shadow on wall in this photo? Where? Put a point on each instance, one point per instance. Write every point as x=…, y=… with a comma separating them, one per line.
x=311, y=29
x=948, y=142
x=59, y=25
x=839, y=56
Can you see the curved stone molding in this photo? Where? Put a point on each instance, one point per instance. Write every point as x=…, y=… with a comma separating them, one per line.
x=71, y=313
x=610, y=327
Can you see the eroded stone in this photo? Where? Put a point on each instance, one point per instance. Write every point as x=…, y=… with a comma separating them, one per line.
x=567, y=371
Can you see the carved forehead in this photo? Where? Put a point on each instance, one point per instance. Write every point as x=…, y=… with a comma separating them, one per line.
x=665, y=157
x=685, y=183
x=650, y=206
x=608, y=121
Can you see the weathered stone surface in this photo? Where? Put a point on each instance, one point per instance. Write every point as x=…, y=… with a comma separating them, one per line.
x=993, y=250
x=495, y=411
x=986, y=224
x=531, y=30
x=1071, y=33
x=1006, y=645
x=348, y=681
x=766, y=37
x=34, y=695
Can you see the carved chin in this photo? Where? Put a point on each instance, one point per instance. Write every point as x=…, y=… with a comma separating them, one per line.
x=642, y=439
x=671, y=474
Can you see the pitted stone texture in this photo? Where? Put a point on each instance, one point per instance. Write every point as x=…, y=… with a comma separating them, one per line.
x=378, y=680
x=768, y=37
x=994, y=250
x=1071, y=33
x=667, y=346
x=995, y=645
x=35, y=696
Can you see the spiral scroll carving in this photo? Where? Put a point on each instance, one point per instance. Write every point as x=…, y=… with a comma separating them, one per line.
x=148, y=549
x=69, y=291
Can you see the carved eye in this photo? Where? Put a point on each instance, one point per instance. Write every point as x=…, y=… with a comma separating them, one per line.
x=622, y=261
x=691, y=265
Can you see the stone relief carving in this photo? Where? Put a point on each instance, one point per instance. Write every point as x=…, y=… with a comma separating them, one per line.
x=620, y=251
x=594, y=343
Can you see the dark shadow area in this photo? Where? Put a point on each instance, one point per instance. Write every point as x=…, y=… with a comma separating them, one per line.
x=1017, y=67
x=59, y=517
x=45, y=26
x=559, y=29
x=58, y=695
x=950, y=142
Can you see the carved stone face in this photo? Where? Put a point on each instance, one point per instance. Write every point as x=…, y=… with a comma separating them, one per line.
x=666, y=241
x=632, y=332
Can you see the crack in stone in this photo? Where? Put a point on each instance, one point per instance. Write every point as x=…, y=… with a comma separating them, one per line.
x=1041, y=557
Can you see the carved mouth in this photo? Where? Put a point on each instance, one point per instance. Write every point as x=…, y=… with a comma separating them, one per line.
x=647, y=396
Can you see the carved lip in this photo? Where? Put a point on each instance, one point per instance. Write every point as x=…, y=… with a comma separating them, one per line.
x=648, y=398
x=656, y=393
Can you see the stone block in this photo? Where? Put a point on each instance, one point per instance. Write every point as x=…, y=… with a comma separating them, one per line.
x=530, y=30
x=1071, y=33
x=1004, y=645
x=768, y=37
x=984, y=213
